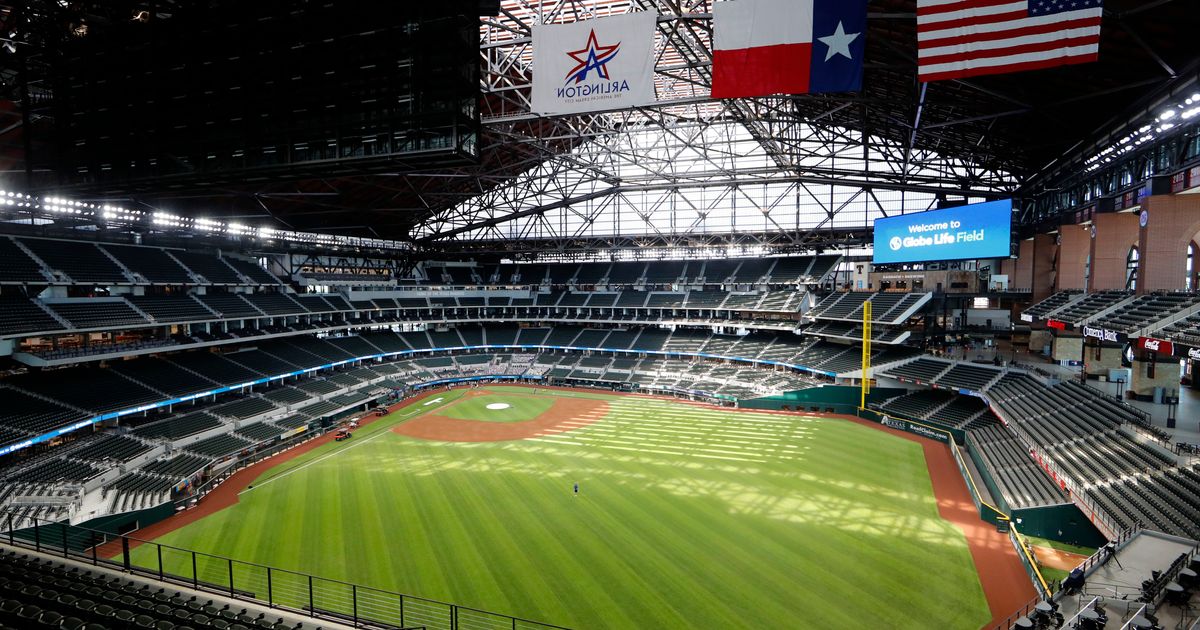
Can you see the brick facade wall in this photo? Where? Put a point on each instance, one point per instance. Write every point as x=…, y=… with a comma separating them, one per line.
x=1075, y=244
x=1115, y=234
x=1173, y=222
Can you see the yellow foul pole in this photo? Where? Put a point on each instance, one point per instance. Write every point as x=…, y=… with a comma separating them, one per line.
x=866, y=353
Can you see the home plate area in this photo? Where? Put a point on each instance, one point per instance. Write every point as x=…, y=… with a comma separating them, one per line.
x=487, y=416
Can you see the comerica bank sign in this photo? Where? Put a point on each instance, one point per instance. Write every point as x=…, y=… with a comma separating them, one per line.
x=1104, y=334
x=982, y=230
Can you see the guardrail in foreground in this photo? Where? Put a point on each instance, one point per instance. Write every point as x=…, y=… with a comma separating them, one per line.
x=296, y=592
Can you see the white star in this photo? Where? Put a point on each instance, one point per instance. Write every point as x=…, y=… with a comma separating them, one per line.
x=839, y=43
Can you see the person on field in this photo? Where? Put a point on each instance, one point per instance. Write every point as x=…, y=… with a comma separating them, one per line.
x=577, y=488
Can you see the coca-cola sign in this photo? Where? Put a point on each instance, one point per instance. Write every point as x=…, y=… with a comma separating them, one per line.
x=1186, y=352
x=1161, y=346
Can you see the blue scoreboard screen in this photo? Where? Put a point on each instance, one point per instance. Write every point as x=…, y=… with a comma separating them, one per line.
x=981, y=230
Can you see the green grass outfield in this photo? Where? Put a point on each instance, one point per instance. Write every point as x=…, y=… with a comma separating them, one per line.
x=1061, y=546
x=687, y=517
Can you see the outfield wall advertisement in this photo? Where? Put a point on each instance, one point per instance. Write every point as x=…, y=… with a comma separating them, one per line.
x=982, y=230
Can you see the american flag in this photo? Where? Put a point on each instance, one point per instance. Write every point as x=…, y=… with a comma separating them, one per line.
x=966, y=38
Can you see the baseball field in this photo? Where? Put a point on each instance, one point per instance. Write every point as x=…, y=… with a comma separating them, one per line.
x=593, y=510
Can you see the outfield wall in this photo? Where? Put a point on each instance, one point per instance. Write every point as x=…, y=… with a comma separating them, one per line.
x=1064, y=522
x=78, y=538
x=115, y=415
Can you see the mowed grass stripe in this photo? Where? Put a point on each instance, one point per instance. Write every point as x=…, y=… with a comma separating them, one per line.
x=688, y=517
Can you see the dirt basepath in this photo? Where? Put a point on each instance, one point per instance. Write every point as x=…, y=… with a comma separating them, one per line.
x=565, y=414
x=226, y=494
x=1005, y=583
x=1052, y=558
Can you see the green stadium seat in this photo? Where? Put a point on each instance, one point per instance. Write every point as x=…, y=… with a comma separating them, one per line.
x=28, y=615
x=50, y=619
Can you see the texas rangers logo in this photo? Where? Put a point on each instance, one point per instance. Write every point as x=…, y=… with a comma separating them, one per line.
x=592, y=56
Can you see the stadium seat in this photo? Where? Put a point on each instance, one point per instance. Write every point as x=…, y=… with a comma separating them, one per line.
x=29, y=614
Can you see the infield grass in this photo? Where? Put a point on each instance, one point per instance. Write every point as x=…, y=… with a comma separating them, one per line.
x=520, y=408
x=687, y=517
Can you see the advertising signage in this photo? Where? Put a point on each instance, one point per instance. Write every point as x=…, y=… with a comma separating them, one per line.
x=1150, y=344
x=1104, y=334
x=982, y=230
x=1187, y=352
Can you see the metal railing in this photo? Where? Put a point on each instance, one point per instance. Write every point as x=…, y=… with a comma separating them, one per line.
x=251, y=459
x=1129, y=624
x=1023, y=611
x=1091, y=605
x=1045, y=591
x=292, y=591
x=1102, y=554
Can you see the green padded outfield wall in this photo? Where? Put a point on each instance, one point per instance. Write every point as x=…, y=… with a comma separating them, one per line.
x=826, y=395
x=1064, y=523
x=50, y=535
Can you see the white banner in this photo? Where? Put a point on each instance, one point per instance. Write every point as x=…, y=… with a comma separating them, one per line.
x=607, y=63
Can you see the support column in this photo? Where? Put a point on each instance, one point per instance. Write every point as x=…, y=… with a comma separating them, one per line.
x=1152, y=372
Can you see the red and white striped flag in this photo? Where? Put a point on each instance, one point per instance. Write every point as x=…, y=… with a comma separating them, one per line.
x=966, y=38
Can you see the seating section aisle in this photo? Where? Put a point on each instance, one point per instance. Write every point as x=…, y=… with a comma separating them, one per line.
x=40, y=593
x=18, y=266
x=1080, y=310
x=20, y=315
x=81, y=262
x=1083, y=434
x=941, y=407
x=924, y=370
x=886, y=308
x=1019, y=478
x=91, y=314
x=110, y=448
x=1046, y=307
x=1145, y=312
x=1169, y=496
x=154, y=265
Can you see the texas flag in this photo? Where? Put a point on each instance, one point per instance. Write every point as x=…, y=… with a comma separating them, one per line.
x=763, y=47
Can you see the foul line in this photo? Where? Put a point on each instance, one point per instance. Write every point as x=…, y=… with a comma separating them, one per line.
x=382, y=431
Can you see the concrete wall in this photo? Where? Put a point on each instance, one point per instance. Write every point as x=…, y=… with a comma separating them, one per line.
x=1039, y=339
x=1166, y=376
x=1067, y=348
x=1172, y=222
x=1098, y=360
x=1074, y=247
x=1115, y=234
